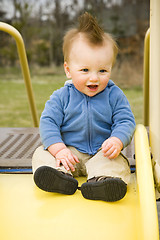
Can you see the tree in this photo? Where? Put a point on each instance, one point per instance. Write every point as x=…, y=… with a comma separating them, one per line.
x=2, y=12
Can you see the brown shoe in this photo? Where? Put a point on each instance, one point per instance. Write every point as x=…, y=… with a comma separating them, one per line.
x=52, y=180
x=104, y=188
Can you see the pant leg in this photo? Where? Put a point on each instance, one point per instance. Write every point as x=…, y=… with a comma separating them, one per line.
x=43, y=157
x=99, y=165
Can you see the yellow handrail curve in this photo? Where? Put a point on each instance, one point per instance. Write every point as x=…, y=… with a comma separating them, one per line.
x=24, y=66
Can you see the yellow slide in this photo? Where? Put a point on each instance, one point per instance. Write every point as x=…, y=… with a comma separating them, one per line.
x=29, y=213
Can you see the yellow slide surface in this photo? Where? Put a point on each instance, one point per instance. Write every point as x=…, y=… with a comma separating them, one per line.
x=29, y=213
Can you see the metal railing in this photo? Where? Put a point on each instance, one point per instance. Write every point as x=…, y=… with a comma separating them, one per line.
x=24, y=66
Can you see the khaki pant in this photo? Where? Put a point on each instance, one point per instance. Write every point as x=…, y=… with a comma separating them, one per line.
x=91, y=166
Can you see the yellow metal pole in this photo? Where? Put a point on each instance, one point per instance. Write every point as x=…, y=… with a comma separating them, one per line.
x=146, y=79
x=154, y=103
x=145, y=185
x=24, y=66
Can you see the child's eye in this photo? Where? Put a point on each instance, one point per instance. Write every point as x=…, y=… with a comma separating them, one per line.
x=84, y=70
x=103, y=71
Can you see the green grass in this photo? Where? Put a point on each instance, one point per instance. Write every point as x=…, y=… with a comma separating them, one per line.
x=14, y=107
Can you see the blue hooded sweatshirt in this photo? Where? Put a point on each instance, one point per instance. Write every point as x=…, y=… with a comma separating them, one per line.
x=86, y=122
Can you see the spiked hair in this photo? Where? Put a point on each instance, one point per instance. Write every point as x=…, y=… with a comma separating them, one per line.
x=89, y=27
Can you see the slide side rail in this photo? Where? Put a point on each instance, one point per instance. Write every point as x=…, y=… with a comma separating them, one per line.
x=145, y=184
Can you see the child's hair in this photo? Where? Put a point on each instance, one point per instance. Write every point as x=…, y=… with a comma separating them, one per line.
x=95, y=35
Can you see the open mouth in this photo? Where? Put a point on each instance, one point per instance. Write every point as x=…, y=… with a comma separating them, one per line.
x=93, y=87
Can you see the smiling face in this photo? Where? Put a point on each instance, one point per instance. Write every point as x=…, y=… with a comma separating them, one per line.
x=89, y=66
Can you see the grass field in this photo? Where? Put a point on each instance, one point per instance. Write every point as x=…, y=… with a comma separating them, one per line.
x=14, y=108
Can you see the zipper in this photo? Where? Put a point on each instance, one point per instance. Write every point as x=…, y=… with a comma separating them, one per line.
x=89, y=135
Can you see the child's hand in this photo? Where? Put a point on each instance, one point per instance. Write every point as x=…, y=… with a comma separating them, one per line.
x=67, y=159
x=112, y=147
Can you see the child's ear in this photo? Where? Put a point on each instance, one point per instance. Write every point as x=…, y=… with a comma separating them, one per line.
x=67, y=70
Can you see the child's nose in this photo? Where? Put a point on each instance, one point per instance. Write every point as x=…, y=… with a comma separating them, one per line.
x=94, y=77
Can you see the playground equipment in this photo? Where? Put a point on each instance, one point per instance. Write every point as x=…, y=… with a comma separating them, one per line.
x=28, y=212
x=24, y=66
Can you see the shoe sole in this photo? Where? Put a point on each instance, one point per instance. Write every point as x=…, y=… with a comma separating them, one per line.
x=51, y=180
x=110, y=190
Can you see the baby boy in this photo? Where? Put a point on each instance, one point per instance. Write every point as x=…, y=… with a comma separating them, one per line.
x=86, y=123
